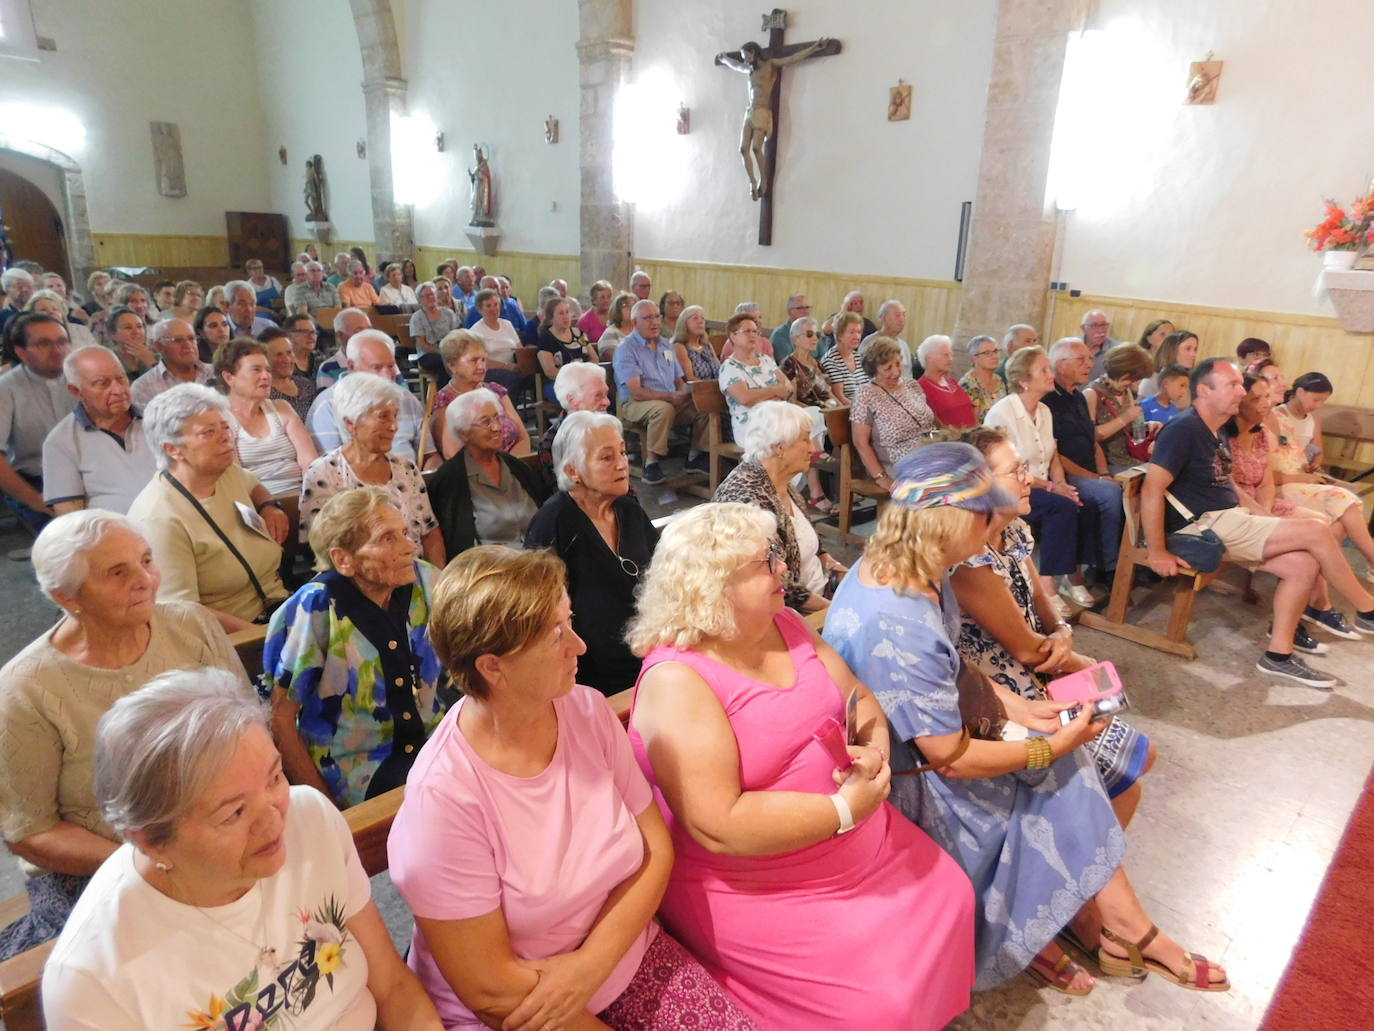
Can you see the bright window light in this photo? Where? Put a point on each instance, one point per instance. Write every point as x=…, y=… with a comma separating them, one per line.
x=649, y=159
x=415, y=173
x=52, y=127
x=1082, y=104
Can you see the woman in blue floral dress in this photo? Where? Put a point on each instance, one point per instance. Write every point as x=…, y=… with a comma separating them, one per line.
x=1028, y=820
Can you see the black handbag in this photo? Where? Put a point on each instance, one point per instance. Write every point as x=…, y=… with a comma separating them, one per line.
x=1204, y=550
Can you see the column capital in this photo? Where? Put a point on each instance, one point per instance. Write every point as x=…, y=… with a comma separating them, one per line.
x=605, y=47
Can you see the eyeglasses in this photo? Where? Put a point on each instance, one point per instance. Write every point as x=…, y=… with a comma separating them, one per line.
x=987, y=354
x=811, y=333
x=179, y=340
x=1021, y=471
x=774, y=560
x=487, y=422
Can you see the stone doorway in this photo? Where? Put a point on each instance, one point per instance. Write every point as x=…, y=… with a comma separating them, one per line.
x=72, y=215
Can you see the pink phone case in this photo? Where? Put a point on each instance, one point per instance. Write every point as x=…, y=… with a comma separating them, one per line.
x=1087, y=685
x=831, y=737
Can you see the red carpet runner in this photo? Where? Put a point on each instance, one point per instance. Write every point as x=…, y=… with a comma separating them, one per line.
x=1330, y=981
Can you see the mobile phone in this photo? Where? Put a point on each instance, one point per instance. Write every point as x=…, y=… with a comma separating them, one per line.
x=1108, y=705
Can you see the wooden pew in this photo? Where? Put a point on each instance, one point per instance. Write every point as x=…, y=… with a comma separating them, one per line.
x=707, y=397
x=1345, y=431
x=370, y=822
x=850, y=486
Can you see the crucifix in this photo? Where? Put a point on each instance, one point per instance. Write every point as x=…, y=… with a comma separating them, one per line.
x=758, y=145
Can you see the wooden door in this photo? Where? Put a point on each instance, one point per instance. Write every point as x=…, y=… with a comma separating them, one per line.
x=257, y=234
x=32, y=225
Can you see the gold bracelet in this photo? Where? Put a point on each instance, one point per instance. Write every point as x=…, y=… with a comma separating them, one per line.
x=1039, y=754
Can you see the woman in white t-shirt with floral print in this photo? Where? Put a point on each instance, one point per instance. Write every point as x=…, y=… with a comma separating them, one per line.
x=748, y=377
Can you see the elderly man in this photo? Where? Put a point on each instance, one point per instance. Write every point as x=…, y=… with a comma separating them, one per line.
x=357, y=291
x=798, y=307
x=340, y=274
x=561, y=285
x=18, y=286
x=1017, y=337
x=370, y=350
x=98, y=456
x=179, y=362
x=1085, y=463
x=1095, y=326
x=314, y=293
x=346, y=323
x=510, y=307
x=640, y=284
x=755, y=311
x=653, y=392
x=1192, y=462
x=465, y=286
x=33, y=399
x=579, y=387
x=853, y=301
x=244, y=320
x=892, y=319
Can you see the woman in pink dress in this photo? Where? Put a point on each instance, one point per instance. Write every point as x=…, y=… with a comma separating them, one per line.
x=796, y=885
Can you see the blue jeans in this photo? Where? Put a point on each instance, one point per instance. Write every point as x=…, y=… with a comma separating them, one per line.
x=1057, y=517
x=1100, y=519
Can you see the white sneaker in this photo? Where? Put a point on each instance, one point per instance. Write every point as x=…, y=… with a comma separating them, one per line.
x=1078, y=594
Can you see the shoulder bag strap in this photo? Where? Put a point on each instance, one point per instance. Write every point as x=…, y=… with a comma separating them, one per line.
x=252, y=577
x=1179, y=506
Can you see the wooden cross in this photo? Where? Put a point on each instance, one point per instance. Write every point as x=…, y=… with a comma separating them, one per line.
x=775, y=23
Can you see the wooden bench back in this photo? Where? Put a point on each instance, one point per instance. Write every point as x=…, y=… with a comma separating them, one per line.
x=1346, y=432
x=707, y=397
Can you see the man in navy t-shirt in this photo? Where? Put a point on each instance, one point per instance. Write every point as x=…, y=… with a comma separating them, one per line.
x=1192, y=463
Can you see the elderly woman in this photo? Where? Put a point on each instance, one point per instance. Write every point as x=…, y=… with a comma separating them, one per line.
x=483, y=495
x=357, y=290
x=747, y=377
x=396, y=290
x=272, y=441
x=54, y=305
x=366, y=409
x=841, y=363
x=1178, y=348
x=981, y=383
x=112, y=637
x=214, y=528
x=952, y=407
x=215, y=297
x=188, y=297
x=1113, y=404
x=212, y=332
x=353, y=678
x=428, y=327
x=500, y=336
x=1039, y=799
x=1054, y=503
x=580, y=386
x=266, y=288
x=621, y=324
x=735, y=693
x=672, y=305
x=695, y=354
x=131, y=295
x=510, y=933
x=289, y=383
x=802, y=369
x=778, y=446
x=889, y=417
x=127, y=335
x=597, y=527
x=96, y=284
x=465, y=357
x=236, y=901
x=1010, y=630
x=561, y=343
x=593, y=321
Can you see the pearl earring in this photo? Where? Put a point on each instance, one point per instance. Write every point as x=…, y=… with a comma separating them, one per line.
x=163, y=867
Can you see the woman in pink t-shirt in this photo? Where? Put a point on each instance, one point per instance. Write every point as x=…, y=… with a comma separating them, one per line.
x=528, y=846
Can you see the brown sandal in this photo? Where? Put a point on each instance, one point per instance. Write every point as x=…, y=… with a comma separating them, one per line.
x=1197, y=970
x=1058, y=975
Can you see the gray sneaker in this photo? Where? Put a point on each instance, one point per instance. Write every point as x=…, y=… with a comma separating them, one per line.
x=1331, y=621
x=1293, y=668
x=1364, y=626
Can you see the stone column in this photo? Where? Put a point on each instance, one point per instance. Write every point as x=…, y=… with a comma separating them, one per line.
x=1012, y=233
x=384, y=94
x=604, y=54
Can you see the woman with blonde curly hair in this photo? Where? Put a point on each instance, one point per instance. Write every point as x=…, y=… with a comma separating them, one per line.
x=780, y=828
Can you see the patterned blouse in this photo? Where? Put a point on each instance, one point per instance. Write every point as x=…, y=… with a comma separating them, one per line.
x=809, y=383
x=748, y=483
x=982, y=399
x=899, y=419
x=305, y=394
x=366, y=679
x=510, y=431
x=1110, y=403
x=330, y=473
x=705, y=364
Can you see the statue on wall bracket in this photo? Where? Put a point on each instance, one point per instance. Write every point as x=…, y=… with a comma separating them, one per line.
x=483, y=192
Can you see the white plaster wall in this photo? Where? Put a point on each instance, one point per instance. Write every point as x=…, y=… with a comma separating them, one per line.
x=498, y=89
x=117, y=68
x=310, y=74
x=1207, y=204
x=853, y=192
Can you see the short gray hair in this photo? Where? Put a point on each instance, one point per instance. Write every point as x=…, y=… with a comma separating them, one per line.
x=127, y=290
x=574, y=378
x=237, y=286
x=342, y=317
x=1059, y=350
x=312, y=264
x=70, y=364
x=799, y=327
x=362, y=336
x=748, y=307
x=546, y=294
x=886, y=307
x=772, y=424
x=12, y=277
x=1020, y=327
x=298, y=265
x=639, y=273
x=462, y=410
x=359, y=393
x=570, y=442
x=162, y=327
x=59, y=553
x=429, y=285
x=165, y=418
x=1090, y=313
x=157, y=750
x=976, y=342
x=794, y=299
x=645, y=304
x=930, y=343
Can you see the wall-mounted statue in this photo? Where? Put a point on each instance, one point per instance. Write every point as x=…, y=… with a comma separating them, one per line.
x=314, y=190
x=483, y=193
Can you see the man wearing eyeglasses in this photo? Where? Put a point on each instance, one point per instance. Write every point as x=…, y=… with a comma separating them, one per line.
x=892, y=316
x=1095, y=326
x=175, y=342
x=798, y=307
x=312, y=294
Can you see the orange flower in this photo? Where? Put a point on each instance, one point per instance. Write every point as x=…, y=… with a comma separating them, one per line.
x=207, y=1020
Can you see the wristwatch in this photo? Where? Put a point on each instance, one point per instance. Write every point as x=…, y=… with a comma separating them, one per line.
x=270, y=503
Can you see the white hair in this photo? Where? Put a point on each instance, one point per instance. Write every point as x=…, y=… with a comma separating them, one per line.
x=342, y=317
x=851, y=295
x=773, y=424
x=158, y=749
x=313, y=265
x=298, y=265
x=639, y=273
x=165, y=418
x=359, y=393
x=748, y=307
x=161, y=328
x=570, y=442
x=71, y=371
x=356, y=341
x=976, y=342
x=12, y=277
x=1020, y=327
x=427, y=285
x=886, y=307
x=645, y=304
x=462, y=410
x=574, y=378
x=799, y=327
x=59, y=553
x=237, y=286
x=1090, y=313
x=930, y=343
x=1059, y=350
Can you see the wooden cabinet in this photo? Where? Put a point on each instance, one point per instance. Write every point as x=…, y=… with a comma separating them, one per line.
x=258, y=234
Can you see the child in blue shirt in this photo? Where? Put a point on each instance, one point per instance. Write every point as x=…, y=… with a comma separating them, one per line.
x=1172, y=397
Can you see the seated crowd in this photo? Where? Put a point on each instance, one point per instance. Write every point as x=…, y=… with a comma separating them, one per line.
x=477, y=597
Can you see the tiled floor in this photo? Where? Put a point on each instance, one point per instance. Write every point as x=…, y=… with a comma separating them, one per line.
x=1240, y=817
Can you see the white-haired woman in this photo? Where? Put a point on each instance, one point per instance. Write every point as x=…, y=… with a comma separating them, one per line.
x=236, y=901
x=53, y=304
x=112, y=637
x=946, y=398
x=579, y=387
x=747, y=377
x=500, y=336
x=561, y=343
x=693, y=345
x=272, y=441
x=396, y=291
x=428, y=327
x=483, y=495
x=981, y=383
x=889, y=417
x=778, y=445
x=781, y=881
x=597, y=527
x=215, y=530
x=366, y=409
x=354, y=680
x=465, y=357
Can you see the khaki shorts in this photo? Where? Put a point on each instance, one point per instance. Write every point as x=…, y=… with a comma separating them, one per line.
x=1244, y=533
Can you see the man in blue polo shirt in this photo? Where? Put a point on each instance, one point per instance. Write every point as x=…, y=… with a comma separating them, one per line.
x=653, y=392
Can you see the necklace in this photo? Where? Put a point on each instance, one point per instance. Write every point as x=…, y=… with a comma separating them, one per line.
x=267, y=954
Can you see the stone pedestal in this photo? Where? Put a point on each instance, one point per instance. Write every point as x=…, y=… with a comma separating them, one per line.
x=484, y=239
x=322, y=232
x=604, y=54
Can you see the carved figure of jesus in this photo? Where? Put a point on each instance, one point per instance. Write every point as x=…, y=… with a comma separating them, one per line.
x=758, y=117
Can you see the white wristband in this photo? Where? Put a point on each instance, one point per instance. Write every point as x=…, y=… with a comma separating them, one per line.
x=845, y=813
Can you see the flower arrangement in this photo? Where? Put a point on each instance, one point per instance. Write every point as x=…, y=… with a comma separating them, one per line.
x=1342, y=231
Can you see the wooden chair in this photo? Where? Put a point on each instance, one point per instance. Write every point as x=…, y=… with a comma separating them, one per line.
x=1132, y=556
x=707, y=397
x=850, y=486
x=324, y=317
x=248, y=644
x=1344, y=431
x=543, y=407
